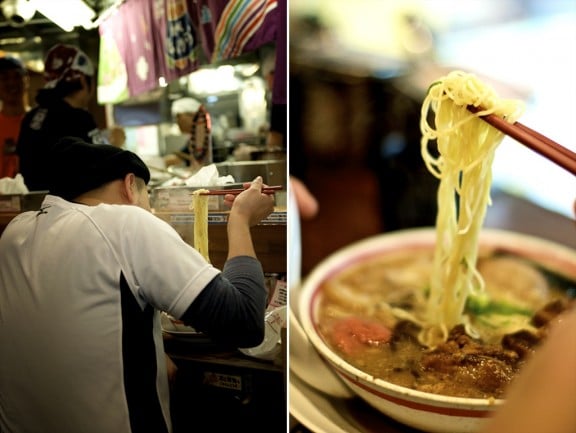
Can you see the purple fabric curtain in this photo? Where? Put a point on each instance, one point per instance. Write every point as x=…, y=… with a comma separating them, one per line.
x=176, y=37
x=131, y=31
x=171, y=38
x=233, y=27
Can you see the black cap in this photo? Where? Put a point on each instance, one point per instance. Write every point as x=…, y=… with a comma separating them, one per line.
x=75, y=167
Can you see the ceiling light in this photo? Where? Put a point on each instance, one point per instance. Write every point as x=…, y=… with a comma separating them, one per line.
x=12, y=41
x=18, y=12
x=67, y=14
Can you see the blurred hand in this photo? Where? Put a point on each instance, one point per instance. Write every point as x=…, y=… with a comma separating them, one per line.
x=307, y=203
x=251, y=205
x=171, y=159
x=541, y=398
x=117, y=136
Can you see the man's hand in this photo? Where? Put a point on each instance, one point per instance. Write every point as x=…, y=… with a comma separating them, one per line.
x=251, y=205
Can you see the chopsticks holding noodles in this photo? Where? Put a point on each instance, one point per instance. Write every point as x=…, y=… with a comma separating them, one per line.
x=265, y=190
x=539, y=143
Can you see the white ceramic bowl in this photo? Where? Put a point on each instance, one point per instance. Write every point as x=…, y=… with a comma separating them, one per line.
x=421, y=410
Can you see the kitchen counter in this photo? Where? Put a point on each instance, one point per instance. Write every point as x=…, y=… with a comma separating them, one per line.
x=219, y=389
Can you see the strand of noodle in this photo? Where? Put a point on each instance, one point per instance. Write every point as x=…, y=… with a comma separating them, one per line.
x=200, y=206
x=466, y=147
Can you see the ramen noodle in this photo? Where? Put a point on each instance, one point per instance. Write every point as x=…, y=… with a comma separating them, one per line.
x=200, y=206
x=462, y=161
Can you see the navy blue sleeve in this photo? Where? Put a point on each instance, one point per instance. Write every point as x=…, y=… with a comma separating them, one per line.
x=231, y=308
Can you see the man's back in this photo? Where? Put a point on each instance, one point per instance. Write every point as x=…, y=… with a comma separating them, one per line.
x=85, y=352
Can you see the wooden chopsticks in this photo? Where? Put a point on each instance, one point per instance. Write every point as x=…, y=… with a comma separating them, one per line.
x=539, y=143
x=265, y=190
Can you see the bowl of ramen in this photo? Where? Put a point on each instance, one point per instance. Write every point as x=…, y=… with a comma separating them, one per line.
x=372, y=311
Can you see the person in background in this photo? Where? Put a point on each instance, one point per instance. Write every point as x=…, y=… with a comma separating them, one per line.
x=82, y=284
x=62, y=110
x=14, y=85
x=184, y=112
x=275, y=137
x=277, y=80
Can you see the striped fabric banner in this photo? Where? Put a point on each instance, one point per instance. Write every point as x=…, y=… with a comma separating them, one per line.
x=239, y=21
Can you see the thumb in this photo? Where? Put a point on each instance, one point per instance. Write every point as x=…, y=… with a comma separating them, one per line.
x=257, y=183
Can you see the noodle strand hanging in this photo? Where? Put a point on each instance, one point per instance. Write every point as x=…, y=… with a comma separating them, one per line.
x=200, y=206
x=465, y=147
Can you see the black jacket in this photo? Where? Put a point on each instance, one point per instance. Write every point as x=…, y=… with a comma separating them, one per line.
x=42, y=126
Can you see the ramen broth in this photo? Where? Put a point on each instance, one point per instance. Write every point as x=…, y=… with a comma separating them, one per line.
x=369, y=315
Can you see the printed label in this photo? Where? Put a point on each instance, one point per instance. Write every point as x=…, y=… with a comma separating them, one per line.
x=220, y=380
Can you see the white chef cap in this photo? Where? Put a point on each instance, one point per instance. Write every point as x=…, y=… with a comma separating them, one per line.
x=185, y=105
